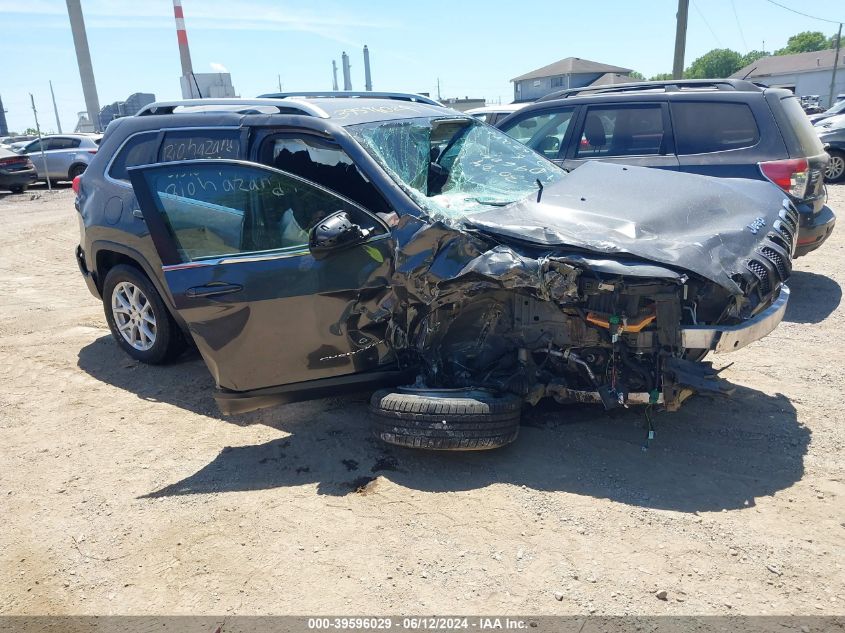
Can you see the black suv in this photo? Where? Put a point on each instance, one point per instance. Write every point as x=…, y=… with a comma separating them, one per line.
x=309, y=244
x=728, y=128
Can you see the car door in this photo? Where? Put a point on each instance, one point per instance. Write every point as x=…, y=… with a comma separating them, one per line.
x=263, y=310
x=60, y=153
x=626, y=133
x=38, y=158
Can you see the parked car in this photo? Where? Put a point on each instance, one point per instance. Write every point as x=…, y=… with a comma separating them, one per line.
x=309, y=246
x=7, y=141
x=728, y=128
x=834, y=110
x=16, y=172
x=65, y=156
x=492, y=114
x=832, y=135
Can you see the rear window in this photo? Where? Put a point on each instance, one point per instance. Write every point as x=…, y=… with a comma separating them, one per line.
x=704, y=127
x=806, y=137
x=196, y=144
x=138, y=150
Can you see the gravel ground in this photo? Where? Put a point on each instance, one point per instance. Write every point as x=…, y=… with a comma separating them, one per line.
x=124, y=491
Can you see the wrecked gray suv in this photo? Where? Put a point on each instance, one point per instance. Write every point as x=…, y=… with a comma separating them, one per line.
x=313, y=244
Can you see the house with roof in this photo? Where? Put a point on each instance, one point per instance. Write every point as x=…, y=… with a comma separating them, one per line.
x=572, y=72
x=802, y=73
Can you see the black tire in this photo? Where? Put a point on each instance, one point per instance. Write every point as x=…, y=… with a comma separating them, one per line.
x=445, y=420
x=76, y=170
x=837, y=163
x=168, y=342
x=18, y=189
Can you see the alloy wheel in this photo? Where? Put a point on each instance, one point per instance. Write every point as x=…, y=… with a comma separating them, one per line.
x=133, y=316
x=835, y=167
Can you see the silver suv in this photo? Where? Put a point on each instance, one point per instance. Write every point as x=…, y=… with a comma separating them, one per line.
x=65, y=156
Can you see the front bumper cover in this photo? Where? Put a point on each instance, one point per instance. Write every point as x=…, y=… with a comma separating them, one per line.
x=729, y=338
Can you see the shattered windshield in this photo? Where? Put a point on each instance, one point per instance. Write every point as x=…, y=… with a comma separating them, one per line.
x=456, y=167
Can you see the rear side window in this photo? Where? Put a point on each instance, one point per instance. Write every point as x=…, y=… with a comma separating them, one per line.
x=622, y=131
x=704, y=127
x=138, y=150
x=805, y=135
x=63, y=143
x=196, y=144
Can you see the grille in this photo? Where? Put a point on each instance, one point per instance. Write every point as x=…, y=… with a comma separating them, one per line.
x=762, y=274
x=777, y=259
x=780, y=241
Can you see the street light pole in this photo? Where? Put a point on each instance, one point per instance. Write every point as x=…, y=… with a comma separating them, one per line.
x=40, y=143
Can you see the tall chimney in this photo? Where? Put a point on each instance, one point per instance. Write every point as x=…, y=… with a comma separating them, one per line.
x=182, y=38
x=347, y=79
x=4, y=129
x=83, y=59
x=368, y=80
x=334, y=76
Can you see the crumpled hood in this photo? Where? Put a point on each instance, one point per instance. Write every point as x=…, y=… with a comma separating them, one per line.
x=697, y=223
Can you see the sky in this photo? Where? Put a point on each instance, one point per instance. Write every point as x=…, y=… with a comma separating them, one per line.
x=473, y=48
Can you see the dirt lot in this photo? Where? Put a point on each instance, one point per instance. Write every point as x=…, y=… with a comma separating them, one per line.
x=123, y=491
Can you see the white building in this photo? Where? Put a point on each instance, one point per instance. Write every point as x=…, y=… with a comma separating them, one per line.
x=802, y=73
x=207, y=85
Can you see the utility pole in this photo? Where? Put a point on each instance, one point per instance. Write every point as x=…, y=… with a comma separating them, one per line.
x=55, y=109
x=680, y=39
x=835, y=64
x=41, y=143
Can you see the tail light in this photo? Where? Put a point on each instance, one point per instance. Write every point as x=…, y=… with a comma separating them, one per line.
x=92, y=151
x=75, y=185
x=14, y=160
x=791, y=175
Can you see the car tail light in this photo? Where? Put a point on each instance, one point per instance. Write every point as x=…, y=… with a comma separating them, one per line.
x=75, y=185
x=791, y=175
x=92, y=151
x=14, y=160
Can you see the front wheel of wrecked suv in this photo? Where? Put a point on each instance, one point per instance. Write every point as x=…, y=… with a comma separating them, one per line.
x=137, y=317
x=446, y=419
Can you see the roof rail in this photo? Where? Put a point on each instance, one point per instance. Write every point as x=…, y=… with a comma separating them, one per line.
x=669, y=85
x=329, y=94
x=241, y=106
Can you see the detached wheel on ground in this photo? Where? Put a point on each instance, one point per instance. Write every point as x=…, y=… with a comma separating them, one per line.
x=138, y=318
x=836, y=167
x=447, y=419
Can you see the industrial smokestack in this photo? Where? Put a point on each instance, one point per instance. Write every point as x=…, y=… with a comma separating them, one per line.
x=334, y=75
x=4, y=129
x=83, y=59
x=368, y=80
x=347, y=79
x=182, y=38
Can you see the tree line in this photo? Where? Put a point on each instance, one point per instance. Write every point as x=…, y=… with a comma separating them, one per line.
x=723, y=62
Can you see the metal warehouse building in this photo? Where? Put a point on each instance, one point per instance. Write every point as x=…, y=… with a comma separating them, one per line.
x=803, y=73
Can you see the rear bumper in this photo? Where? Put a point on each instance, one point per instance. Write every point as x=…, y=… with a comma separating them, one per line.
x=729, y=338
x=814, y=229
x=17, y=178
x=86, y=274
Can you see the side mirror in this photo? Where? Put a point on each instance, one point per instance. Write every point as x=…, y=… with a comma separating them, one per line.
x=333, y=233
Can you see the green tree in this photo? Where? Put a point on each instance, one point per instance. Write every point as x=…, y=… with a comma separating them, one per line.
x=660, y=77
x=752, y=56
x=804, y=42
x=716, y=64
x=638, y=76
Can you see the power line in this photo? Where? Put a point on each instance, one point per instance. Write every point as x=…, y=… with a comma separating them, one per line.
x=712, y=32
x=738, y=25
x=806, y=15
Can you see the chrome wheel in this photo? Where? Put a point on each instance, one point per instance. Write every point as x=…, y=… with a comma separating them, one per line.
x=133, y=316
x=835, y=167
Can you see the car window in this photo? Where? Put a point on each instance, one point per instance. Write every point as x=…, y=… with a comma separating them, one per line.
x=194, y=144
x=324, y=163
x=212, y=210
x=543, y=132
x=35, y=146
x=807, y=140
x=622, y=131
x=138, y=150
x=63, y=143
x=484, y=116
x=702, y=127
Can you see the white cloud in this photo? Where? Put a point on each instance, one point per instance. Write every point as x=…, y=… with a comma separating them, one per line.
x=218, y=67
